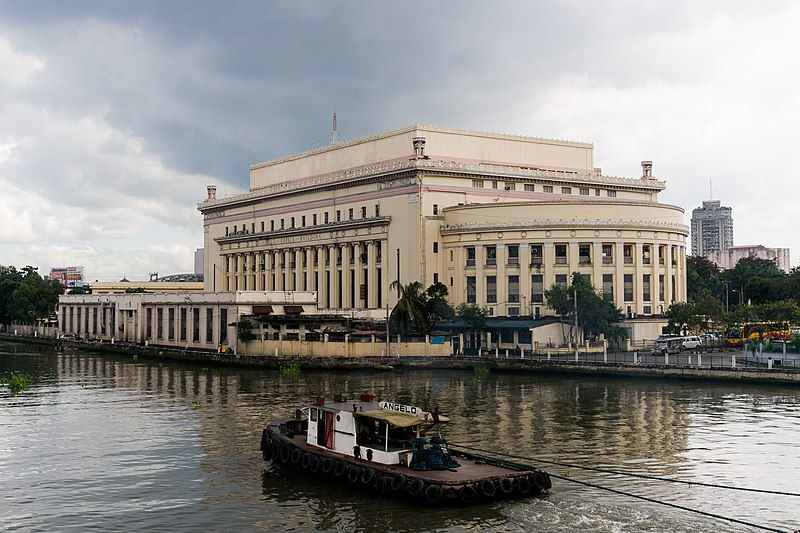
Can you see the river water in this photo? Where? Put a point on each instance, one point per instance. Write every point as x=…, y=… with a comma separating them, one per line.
x=103, y=442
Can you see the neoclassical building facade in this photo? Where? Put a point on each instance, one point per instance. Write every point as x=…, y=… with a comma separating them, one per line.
x=497, y=218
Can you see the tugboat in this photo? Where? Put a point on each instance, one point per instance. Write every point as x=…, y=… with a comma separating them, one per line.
x=385, y=447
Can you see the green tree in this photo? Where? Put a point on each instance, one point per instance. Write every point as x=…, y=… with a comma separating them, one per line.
x=35, y=297
x=418, y=310
x=10, y=279
x=596, y=314
x=756, y=280
x=474, y=316
x=781, y=311
x=703, y=278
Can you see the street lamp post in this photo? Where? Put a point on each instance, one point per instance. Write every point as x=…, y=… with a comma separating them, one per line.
x=727, y=286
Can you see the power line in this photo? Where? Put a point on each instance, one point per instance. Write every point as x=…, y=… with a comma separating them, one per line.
x=625, y=493
x=630, y=474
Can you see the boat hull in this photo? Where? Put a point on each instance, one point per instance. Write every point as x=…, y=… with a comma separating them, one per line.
x=479, y=479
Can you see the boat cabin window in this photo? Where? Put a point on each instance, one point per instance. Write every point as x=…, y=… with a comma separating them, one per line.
x=313, y=415
x=373, y=434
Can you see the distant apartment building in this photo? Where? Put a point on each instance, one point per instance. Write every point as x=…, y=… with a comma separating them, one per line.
x=199, y=259
x=728, y=258
x=712, y=228
x=70, y=277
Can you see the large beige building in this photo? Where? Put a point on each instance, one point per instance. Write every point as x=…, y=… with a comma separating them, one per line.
x=497, y=218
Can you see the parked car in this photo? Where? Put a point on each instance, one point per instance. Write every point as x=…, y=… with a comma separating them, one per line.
x=691, y=343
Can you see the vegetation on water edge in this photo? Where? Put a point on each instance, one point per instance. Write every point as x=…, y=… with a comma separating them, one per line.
x=17, y=382
x=291, y=371
x=479, y=373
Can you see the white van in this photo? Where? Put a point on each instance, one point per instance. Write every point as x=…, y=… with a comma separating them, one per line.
x=691, y=343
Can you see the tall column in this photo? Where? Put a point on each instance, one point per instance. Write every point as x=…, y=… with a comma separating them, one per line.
x=619, y=275
x=336, y=280
x=269, y=268
x=280, y=269
x=459, y=291
x=525, y=279
x=638, y=260
x=309, y=270
x=372, y=274
x=259, y=285
x=548, y=264
x=323, y=289
x=502, y=281
x=480, y=278
x=670, y=271
x=597, y=265
x=572, y=258
x=346, y=284
x=656, y=269
x=227, y=273
x=359, y=278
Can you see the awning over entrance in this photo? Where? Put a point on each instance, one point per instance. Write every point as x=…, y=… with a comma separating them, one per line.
x=292, y=309
x=398, y=420
x=262, y=309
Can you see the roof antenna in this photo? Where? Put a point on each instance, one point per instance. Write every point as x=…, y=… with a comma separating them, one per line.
x=334, y=130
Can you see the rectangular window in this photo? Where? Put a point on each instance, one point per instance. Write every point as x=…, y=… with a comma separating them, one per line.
x=627, y=287
x=160, y=323
x=672, y=290
x=226, y=231
x=327, y=219
x=511, y=186
x=646, y=254
x=491, y=255
x=584, y=254
x=377, y=210
x=627, y=253
x=196, y=324
x=303, y=221
x=584, y=191
x=363, y=211
x=561, y=254
x=529, y=187
x=478, y=184
x=338, y=215
x=272, y=225
x=608, y=285
x=536, y=255
x=491, y=289
x=350, y=214
x=494, y=185
x=646, y=287
x=537, y=288
x=566, y=190
x=513, y=289
x=597, y=192
x=184, y=324
x=561, y=279
x=314, y=219
x=209, y=324
x=262, y=226
x=435, y=209
x=547, y=188
x=283, y=224
x=149, y=323
x=171, y=325
x=253, y=227
x=435, y=247
x=223, y=325
x=292, y=222
x=435, y=277
x=513, y=311
x=611, y=194
x=471, y=290
x=471, y=256
x=608, y=254
x=662, y=251
x=661, y=287
x=513, y=255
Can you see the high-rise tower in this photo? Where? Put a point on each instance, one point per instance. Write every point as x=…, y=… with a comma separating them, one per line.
x=712, y=228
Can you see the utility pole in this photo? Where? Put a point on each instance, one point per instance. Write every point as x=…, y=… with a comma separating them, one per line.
x=398, y=273
x=575, y=313
x=727, y=286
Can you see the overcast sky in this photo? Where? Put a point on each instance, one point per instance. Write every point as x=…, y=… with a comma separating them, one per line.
x=115, y=116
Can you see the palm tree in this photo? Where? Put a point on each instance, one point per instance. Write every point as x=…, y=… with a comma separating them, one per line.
x=409, y=312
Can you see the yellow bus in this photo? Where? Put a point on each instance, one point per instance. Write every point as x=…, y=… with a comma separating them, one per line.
x=739, y=334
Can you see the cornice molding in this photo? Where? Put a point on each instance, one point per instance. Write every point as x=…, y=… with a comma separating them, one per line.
x=449, y=229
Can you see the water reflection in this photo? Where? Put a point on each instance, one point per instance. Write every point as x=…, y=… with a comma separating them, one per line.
x=99, y=439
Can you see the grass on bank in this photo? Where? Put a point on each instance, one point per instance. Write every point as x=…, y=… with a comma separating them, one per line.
x=17, y=382
x=291, y=371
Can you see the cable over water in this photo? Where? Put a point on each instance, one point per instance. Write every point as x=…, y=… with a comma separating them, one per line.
x=625, y=493
x=631, y=474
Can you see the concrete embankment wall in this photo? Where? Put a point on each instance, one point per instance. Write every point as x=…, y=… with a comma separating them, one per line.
x=739, y=374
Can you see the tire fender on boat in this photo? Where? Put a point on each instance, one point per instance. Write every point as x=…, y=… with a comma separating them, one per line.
x=367, y=476
x=315, y=463
x=305, y=462
x=523, y=484
x=398, y=482
x=353, y=473
x=507, y=485
x=339, y=469
x=297, y=454
x=433, y=493
x=383, y=484
x=416, y=488
x=467, y=494
x=285, y=453
x=487, y=488
x=539, y=481
x=327, y=465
